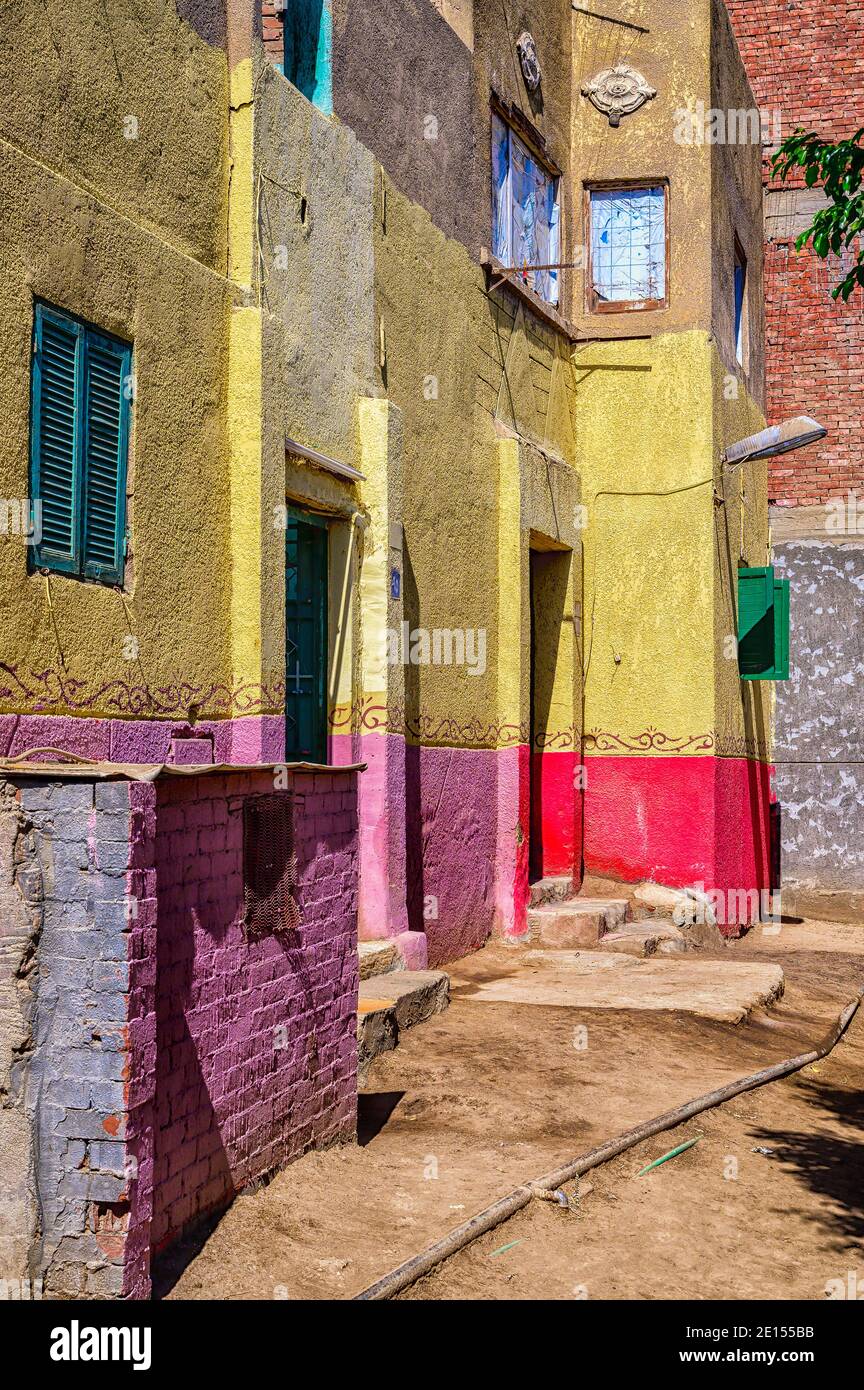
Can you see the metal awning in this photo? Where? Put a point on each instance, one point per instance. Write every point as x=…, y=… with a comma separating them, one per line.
x=342, y=470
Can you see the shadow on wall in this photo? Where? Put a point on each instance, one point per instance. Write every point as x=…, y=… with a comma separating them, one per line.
x=413, y=793
x=450, y=823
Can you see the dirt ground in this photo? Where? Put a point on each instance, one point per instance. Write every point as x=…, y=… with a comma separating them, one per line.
x=488, y=1095
x=721, y=1220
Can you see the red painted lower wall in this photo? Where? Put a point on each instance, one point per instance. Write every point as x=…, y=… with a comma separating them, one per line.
x=556, y=814
x=679, y=821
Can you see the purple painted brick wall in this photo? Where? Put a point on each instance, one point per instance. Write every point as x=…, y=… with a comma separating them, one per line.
x=173, y=1061
x=255, y=1042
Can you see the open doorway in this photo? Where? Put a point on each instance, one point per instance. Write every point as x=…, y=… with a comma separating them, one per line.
x=555, y=847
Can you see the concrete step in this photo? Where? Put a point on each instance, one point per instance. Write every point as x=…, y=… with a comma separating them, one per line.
x=550, y=890
x=688, y=908
x=390, y=1003
x=566, y=925
x=378, y=958
x=615, y=910
x=646, y=938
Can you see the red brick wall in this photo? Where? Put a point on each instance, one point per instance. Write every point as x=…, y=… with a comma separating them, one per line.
x=807, y=59
x=236, y=1097
x=271, y=27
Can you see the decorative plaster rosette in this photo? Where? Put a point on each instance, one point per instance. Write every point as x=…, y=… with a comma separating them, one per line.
x=618, y=92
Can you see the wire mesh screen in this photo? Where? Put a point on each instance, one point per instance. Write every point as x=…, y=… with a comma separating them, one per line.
x=269, y=866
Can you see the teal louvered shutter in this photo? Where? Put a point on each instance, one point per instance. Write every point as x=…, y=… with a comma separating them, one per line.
x=79, y=442
x=54, y=428
x=763, y=625
x=106, y=374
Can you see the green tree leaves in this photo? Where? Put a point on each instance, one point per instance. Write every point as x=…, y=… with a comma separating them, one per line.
x=839, y=168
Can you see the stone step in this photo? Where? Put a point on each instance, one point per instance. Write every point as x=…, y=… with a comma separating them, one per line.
x=645, y=938
x=614, y=910
x=688, y=908
x=566, y=925
x=390, y=1003
x=378, y=958
x=550, y=890
x=377, y=1032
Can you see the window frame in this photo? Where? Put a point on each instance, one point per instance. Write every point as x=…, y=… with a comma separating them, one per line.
x=77, y=565
x=740, y=322
x=518, y=125
x=596, y=305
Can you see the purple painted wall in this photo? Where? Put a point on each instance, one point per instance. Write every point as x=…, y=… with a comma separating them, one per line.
x=248, y=739
x=451, y=795
x=256, y=1052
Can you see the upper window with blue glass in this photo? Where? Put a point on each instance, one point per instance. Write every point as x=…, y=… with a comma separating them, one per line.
x=81, y=388
x=740, y=288
x=525, y=212
x=627, y=246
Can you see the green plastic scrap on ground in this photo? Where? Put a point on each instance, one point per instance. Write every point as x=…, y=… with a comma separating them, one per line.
x=665, y=1158
x=502, y=1248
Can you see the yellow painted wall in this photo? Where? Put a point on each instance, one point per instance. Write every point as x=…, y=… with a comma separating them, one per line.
x=130, y=235
x=468, y=370
x=652, y=418
x=674, y=58
x=349, y=267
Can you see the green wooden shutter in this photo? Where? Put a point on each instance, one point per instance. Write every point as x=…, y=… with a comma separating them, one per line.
x=763, y=625
x=55, y=416
x=781, y=630
x=107, y=366
x=306, y=639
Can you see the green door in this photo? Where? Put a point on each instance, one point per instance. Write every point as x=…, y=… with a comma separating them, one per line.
x=306, y=639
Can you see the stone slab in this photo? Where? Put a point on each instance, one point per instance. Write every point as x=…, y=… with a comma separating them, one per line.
x=414, y=995
x=565, y=925
x=377, y=958
x=723, y=991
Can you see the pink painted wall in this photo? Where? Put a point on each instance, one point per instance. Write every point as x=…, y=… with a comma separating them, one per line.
x=231, y=1101
x=678, y=821
x=382, y=910
x=452, y=847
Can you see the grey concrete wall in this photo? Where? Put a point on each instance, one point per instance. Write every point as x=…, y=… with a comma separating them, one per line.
x=20, y=927
x=819, y=716
x=64, y=851
x=396, y=64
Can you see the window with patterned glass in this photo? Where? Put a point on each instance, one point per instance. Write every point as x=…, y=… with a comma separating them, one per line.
x=525, y=212
x=627, y=248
